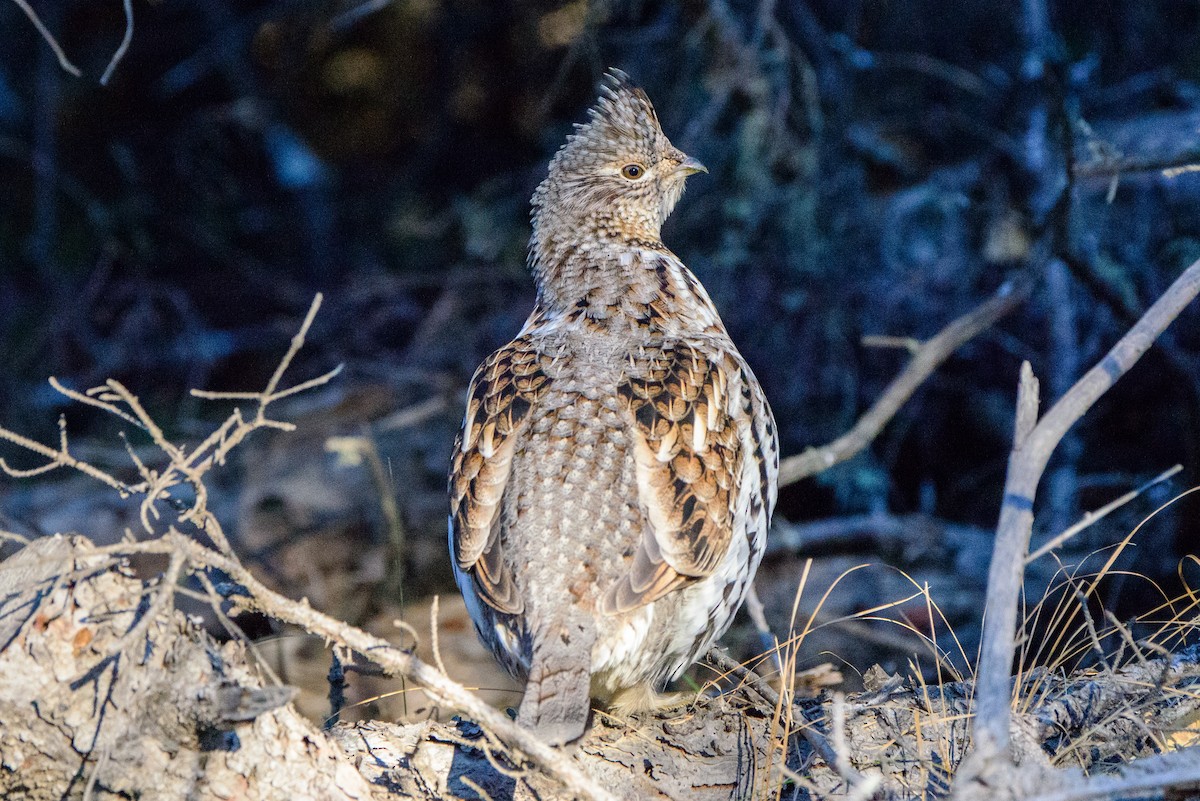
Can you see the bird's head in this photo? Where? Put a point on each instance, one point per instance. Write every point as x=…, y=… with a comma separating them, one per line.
x=617, y=177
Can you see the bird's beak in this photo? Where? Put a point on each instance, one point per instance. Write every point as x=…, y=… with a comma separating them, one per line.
x=690, y=166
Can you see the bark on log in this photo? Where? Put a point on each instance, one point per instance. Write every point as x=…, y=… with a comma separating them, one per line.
x=168, y=714
x=107, y=693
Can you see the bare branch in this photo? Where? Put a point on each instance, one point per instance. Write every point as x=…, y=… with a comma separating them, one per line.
x=182, y=467
x=1152, y=777
x=1164, y=142
x=350, y=18
x=910, y=344
x=410, y=416
x=304, y=386
x=90, y=398
x=926, y=358
x=124, y=46
x=144, y=420
x=1095, y=516
x=58, y=458
x=63, y=61
x=293, y=349
x=164, y=596
x=1028, y=400
x=837, y=761
x=1033, y=445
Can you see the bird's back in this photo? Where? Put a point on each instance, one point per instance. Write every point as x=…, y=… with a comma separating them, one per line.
x=570, y=510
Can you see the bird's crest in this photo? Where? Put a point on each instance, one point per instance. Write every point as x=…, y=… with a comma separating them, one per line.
x=621, y=121
x=615, y=181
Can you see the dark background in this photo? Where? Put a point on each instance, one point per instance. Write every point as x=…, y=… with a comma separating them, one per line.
x=875, y=168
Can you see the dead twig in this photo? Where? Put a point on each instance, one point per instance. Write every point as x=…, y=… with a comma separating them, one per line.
x=1150, y=778
x=163, y=597
x=63, y=61
x=838, y=762
x=123, y=47
x=1095, y=516
x=410, y=416
x=926, y=358
x=1033, y=442
x=182, y=467
x=58, y=458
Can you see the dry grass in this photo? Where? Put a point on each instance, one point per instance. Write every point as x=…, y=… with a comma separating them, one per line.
x=1067, y=636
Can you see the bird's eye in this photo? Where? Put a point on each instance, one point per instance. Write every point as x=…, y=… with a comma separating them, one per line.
x=633, y=171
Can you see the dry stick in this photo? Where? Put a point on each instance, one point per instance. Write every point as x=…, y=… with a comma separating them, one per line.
x=100, y=765
x=396, y=534
x=926, y=358
x=411, y=415
x=12, y=536
x=63, y=61
x=58, y=458
x=192, y=466
x=479, y=791
x=353, y=16
x=1114, y=167
x=213, y=598
x=90, y=398
x=555, y=763
x=1033, y=443
x=1092, y=517
x=164, y=598
x=160, y=484
x=433, y=636
x=124, y=46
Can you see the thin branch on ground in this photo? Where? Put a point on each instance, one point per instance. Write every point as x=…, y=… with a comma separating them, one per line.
x=927, y=357
x=1150, y=778
x=819, y=743
x=164, y=596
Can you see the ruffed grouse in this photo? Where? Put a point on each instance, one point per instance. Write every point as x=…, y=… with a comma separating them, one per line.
x=614, y=478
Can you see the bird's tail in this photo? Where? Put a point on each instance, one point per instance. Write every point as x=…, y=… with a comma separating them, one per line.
x=558, y=691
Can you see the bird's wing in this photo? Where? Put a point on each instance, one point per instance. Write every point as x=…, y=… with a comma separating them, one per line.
x=692, y=422
x=502, y=392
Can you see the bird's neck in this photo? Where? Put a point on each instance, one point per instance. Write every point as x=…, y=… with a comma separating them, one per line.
x=618, y=280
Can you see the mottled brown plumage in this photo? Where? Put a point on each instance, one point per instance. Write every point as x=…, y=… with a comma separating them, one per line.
x=614, y=478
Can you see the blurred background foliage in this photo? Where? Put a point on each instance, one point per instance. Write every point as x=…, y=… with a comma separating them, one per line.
x=876, y=167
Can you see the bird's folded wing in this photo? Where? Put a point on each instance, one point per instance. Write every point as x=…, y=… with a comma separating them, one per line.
x=502, y=392
x=689, y=415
